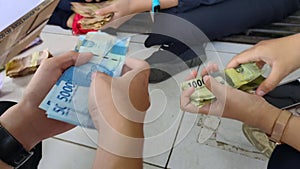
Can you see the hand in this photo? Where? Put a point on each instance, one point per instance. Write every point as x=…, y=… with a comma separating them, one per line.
x=282, y=54
x=26, y=121
x=120, y=8
x=117, y=107
x=232, y=103
x=126, y=96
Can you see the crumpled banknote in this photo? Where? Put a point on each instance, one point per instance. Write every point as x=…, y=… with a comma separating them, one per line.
x=26, y=65
x=245, y=77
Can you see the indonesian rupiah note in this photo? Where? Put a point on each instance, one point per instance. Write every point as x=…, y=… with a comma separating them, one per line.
x=246, y=77
x=68, y=99
x=90, y=19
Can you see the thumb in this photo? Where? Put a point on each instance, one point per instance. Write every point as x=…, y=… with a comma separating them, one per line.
x=215, y=87
x=105, y=10
x=270, y=82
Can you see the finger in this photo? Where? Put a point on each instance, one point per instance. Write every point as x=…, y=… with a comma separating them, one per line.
x=191, y=76
x=134, y=64
x=205, y=109
x=105, y=10
x=185, y=101
x=210, y=68
x=244, y=57
x=99, y=85
x=68, y=59
x=83, y=58
x=88, y=0
x=215, y=87
x=270, y=82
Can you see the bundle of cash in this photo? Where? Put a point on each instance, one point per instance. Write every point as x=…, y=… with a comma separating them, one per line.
x=68, y=99
x=90, y=19
x=26, y=65
x=245, y=77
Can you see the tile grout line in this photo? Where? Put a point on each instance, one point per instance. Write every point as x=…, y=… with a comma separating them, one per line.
x=154, y=165
x=173, y=144
x=93, y=148
x=78, y=144
x=178, y=129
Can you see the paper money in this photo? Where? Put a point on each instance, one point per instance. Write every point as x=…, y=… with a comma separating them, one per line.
x=26, y=65
x=246, y=77
x=90, y=19
x=68, y=99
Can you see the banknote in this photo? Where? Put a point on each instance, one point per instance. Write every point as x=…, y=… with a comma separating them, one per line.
x=26, y=65
x=88, y=9
x=90, y=19
x=68, y=99
x=246, y=77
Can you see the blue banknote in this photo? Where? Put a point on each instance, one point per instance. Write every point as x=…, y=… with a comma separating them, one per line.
x=68, y=99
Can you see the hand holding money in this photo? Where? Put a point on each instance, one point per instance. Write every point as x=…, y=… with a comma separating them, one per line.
x=67, y=100
x=246, y=77
x=91, y=20
x=281, y=54
x=127, y=94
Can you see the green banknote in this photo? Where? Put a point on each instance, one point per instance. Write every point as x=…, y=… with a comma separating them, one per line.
x=245, y=77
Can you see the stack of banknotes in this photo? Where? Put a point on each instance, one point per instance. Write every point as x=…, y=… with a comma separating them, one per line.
x=90, y=19
x=68, y=99
x=26, y=65
x=246, y=77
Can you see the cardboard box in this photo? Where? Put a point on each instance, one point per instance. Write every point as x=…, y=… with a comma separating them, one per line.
x=20, y=33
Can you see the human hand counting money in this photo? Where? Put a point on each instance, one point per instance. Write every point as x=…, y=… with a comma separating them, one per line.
x=229, y=102
x=281, y=54
x=117, y=107
x=26, y=115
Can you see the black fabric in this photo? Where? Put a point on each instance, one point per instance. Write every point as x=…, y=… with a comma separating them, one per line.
x=284, y=157
x=60, y=17
x=226, y=18
x=33, y=162
x=284, y=95
x=62, y=13
x=187, y=5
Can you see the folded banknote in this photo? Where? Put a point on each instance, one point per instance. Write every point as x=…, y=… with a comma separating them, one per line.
x=90, y=19
x=245, y=77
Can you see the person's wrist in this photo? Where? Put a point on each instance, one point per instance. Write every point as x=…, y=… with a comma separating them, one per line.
x=3, y=165
x=266, y=118
x=16, y=121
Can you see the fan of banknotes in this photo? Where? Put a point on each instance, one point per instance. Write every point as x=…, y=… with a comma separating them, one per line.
x=90, y=19
x=68, y=99
x=246, y=77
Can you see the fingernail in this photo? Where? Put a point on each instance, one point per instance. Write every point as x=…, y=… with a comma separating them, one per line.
x=93, y=75
x=194, y=73
x=85, y=54
x=260, y=92
x=205, y=78
x=98, y=12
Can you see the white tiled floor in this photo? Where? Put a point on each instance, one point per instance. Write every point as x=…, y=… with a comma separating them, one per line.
x=76, y=148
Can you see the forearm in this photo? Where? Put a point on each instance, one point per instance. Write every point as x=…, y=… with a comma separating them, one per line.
x=120, y=143
x=107, y=160
x=266, y=121
x=291, y=133
x=138, y=6
x=15, y=121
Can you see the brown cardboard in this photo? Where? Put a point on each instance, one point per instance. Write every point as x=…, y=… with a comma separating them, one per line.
x=18, y=35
